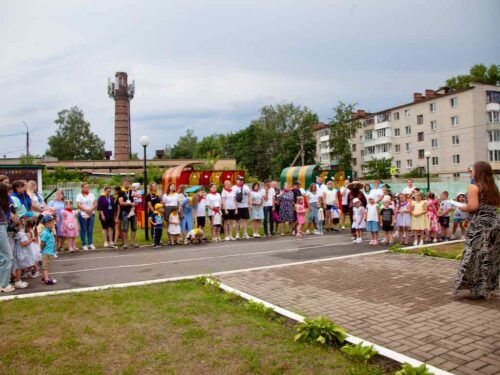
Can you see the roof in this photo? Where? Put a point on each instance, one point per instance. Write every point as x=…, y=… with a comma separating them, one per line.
x=321, y=125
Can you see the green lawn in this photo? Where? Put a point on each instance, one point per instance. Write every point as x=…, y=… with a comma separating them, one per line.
x=450, y=251
x=171, y=328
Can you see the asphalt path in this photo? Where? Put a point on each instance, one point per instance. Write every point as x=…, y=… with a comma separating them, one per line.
x=113, y=266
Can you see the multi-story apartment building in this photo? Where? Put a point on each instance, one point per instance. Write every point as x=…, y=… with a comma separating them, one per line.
x=457, y=128
x=323, y=154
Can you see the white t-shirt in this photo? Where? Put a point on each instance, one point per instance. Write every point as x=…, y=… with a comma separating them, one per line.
x=87, y=201
x=376, y=194
x=330, y=196
x=246, y=193
x=312, y=197
x=371, y=212
x=170, y=200
x=271, y=193
x=228, y=198
x=320, y=188
x=443, y=207
x=201, y=210
x=213, y=200
x=345, y=192
x=257, y=197
x=408, y=190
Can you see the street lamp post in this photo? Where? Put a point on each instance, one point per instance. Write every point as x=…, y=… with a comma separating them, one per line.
x=144, y=141
x=428, y=156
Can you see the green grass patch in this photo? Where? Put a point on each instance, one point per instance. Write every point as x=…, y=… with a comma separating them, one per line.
x=171, y=328
x=449, y=251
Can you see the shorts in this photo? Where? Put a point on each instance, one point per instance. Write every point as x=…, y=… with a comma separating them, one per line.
x=243, y=214
x=372, y=226
x=201, y=220
x=231, y=215
x=108, y=223
x=387, y=227
x=126, y=221
x=345, y=209
x=329, y=207
x=336, y=220
x=458, y=220
x=46, y=260
x=444, y=221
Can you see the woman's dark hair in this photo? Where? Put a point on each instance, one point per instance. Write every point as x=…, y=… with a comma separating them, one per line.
x=4, y=197
x=255, y=184
x=3, y=177
x=17, y=184
x=118, y=188
x=483, y=175
x=313, y=184
x=367, y=185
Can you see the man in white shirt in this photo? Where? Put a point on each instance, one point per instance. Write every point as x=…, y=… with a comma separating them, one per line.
x=409, y=189
x=376, y=193
x=320, y=186
x=344, y=191
x=242, y=192
x=268, y=193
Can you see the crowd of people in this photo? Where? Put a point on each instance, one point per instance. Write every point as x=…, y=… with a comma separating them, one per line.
x=37, y=231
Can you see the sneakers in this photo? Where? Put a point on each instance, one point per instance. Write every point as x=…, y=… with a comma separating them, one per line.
x=49, y=281
x=415, y=243
x=256, y=235
x=382, y=240
x=359, y=240
x=228, y=238
x=112, y=245
x=135, y=246
x=232, y=238
x=343, y=228
x=308, y=231
x=434, y=240
x=106, y=244
x=85, y=247
x=21, y=284
x=421, y=243
x=9, y=288
x=315, y=232
x=125, y=246
x=355, y=240
x=237, y=237
x=246, y=236
x=92, y=247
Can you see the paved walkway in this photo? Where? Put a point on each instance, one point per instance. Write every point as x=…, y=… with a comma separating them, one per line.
x=400, y=301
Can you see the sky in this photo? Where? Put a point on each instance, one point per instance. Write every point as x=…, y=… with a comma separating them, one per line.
x=210, y=66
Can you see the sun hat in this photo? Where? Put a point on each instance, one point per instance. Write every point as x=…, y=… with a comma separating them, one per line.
x=355, y=184
x=158, y=205
x=459, y=194
x=47, y=218
x=387, y=198
x=355, y=200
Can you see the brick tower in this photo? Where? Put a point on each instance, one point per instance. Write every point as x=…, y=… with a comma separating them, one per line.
x=122, y=93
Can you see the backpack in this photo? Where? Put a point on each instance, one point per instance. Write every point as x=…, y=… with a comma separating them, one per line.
x=239, y=196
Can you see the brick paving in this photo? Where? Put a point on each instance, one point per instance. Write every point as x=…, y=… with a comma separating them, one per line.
x=400, y=301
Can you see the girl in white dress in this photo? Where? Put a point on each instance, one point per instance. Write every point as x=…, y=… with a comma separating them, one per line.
x=358, y=217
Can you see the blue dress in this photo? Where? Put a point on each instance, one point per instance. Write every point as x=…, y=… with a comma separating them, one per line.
x=187, y=216
x=58, y=206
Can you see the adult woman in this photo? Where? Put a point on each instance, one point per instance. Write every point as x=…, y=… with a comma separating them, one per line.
x=256, y=202
x=480, y=263
x=57, y=204
x=170, y=200
x=312, y=195
x=366, y=190
x=118, y=232
x=287, y=207
x=86, y=203
x=152, y=198
x=106, y=210
x=229, y=210
x=36, y=198
x=21, y=200
x=355, y=192
x=6, y=257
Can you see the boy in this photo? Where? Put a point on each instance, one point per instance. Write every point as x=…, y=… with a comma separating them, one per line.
x=156, y=222
x=196, y=235
x=387, y=219
x=48, y=248
x=444, y=216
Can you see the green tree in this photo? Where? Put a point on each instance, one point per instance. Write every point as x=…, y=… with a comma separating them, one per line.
x=27, y=160
x=378, y=168
x=210, y=146
x=185, y=146
x=477, y=73
x=73, y=139
x=343, y=128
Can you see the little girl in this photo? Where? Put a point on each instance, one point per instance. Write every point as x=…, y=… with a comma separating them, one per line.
x=23, y=254
x=321, y=215
x=69, y=229
x=419, y=222
x=371, y=218
x=403, y=219
x=459, y=217
x=174, y=226
x=201, y=210
x=432, y=216
x=358, y=218
x=136, y=198
x=301, y=215
x=216, y=224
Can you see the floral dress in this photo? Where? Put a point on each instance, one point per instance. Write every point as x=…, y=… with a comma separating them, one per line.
x=286, y=201
x=432, y=215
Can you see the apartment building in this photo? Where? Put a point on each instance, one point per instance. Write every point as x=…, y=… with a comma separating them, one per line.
x=453, y=128
x=323, y=154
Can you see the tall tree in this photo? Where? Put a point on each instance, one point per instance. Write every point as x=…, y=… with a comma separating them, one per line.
x=210, y=145
x=73, y=139
x=378, y=168
x=185, y=146
x=343, y=128
x=477, y=73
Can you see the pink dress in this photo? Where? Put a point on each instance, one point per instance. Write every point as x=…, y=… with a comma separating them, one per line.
x=69, y=229
x=432, y=215
x=301, y=213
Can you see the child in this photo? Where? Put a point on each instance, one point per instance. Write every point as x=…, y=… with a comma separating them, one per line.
x=358, y=218
x=444, y=216
x=136, y=198
x=371, y=217
x=201, y=210
x=188, y=205
x=48, y=248
x=214, y=203
x=459, y=217
x=387, y=219
x=156, y=222
x=216, y=224
x=403, y=218
x=196, y=235
x=335, y=217
x=321, y=215
x=419, y=222
x=301, y=215
x=23, y=255
x=432, y=216
x=69, y=230
x=174, y=226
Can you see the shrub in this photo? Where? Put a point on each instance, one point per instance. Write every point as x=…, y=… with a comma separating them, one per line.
x=320, y=329
x=396, y=248
x=259, y=308
x=408, y=369
x=359, y=352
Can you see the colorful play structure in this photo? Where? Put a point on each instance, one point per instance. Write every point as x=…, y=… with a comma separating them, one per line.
x=307, y=175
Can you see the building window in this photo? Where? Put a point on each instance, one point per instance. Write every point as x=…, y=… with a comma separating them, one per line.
x=407, y=113
x=456, y=174
x=421, y=154
x=397, y=148
x=397, y=132
x=408, y=130
x=435, y=161
x=454, y=121
x=370, y=150
x=455, y=140
x=354, y=148
x=368, y=136
x=493, y=96
x=409, y=163
x=396, y=115
x=398, y=164
x=434, y=125
x=420, y=119
x=494, y=135
x=454, y=102
x=434, y=143
x=408, y=147
x=494, y=155
x=456, y=159
x=380, y=133
x=493, y=116
x=354, y=161
x=383, y=148
x=420, y=136
x=432, y=107
x=362, y=153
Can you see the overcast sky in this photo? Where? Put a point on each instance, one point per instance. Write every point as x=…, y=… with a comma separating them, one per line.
x=211, y=65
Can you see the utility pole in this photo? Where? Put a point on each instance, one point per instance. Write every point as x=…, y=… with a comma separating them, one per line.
x=27, y=140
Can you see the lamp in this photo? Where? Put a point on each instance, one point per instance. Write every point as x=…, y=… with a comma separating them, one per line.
x=428, y=155
x=144, y=141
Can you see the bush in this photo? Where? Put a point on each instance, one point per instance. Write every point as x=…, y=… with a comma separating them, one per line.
x=320, y=329
x=408, y=369
x=359, y=352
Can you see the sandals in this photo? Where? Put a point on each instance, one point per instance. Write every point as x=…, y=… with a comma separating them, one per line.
x=49, y=281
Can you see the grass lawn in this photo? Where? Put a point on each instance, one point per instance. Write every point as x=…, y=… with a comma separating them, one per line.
x=171, y=328
x=450, y=251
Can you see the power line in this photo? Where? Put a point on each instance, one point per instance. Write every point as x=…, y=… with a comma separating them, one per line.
x=10, y=135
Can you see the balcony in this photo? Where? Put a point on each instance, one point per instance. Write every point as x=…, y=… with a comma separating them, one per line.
x=379, y=155
x=324, y=138
x=493, y=146
x=382, y=125
x=492, y=107
x=377, y=141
